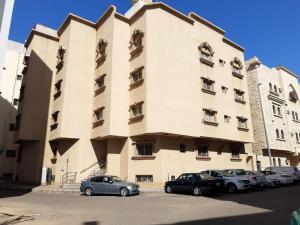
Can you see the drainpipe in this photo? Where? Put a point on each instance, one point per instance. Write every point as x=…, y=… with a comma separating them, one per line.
x=264, y=122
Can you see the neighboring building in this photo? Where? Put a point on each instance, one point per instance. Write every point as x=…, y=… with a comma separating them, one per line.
x=10, y=90
x=6, y=9
x=175, y=101
x=278, y=89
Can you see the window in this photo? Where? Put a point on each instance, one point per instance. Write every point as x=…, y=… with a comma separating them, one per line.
x=60, y=57
x=136, y=42
x=19, y=77
x=275, y=88
x=235, y=154
x=271, y=87
x=20, y=153
x=277, y=134
x=137, y=110
x=208, y=85
x=279, y=162
x=239, y=96
x=97, y=179
x=144, y=149
x=100, y=84
x=25, y=63
x=206, y=54
x=11, y=153
x=274, y=162
x=15, y=102
x=182, y=148
x=22, y=90
x=297, y=137
x=224, y=90
x=144, y=178
x=222, y=62
x=277, y=110
x=101, y=51
x=210, y=116
x=18, y=122
x=202, y=151
x=11, y=127
x=237, y=67
x=226, y=118
x=293, y=115
x=282, y=134
x=242, y=123
x=55, y=116
x=57, y=89
x=136, y=77
x=98, y=116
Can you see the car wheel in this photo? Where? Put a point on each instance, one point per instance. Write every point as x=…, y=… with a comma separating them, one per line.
x=169, y=189
x=197, y=191
x=88, y=192
x=231, y=188
x=124, y=192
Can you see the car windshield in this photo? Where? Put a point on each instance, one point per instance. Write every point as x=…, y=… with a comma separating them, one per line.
x=204, y=175
x=116, y=179
x=226, y=174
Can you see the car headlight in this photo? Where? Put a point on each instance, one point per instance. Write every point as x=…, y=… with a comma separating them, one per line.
x=130, y=187
x=241, y=182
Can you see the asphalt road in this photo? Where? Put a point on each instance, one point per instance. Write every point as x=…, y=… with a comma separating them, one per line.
x=264, y=207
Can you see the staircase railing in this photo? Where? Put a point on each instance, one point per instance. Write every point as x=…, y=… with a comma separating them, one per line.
x=100, y=170
x=68, y=178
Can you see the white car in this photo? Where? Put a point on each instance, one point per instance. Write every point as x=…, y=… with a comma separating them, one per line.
x=242, y=173
x=289, y=170
x=259, y=177
x=231, y=183
x=283, y=178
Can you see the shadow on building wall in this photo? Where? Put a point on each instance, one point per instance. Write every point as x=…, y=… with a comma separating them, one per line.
x=7, y=115
x=34, y=111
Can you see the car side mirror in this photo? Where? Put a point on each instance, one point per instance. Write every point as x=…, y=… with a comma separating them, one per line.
x=111, y=182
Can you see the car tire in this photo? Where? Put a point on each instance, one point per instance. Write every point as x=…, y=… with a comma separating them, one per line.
x=88, y=192
x=197, y=191
x=169, y=189
x=124, y=192
x=231, y=188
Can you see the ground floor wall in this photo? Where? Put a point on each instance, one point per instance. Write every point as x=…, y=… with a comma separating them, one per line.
x=171, y=156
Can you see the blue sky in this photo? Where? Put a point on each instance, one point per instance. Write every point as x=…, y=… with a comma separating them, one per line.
x=268, y=29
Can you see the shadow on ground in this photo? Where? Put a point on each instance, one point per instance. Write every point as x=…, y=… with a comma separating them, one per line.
x=285, y=202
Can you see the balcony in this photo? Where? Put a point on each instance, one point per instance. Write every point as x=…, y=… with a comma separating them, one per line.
x=136, y=51
x=207, y=62
x=208, y=91
x=100, y=90
x=243, y=129
x=98, y=123
x=237, y=74
x=241, y=101
x=100, y=60
x=211, y=123
x=136, y=84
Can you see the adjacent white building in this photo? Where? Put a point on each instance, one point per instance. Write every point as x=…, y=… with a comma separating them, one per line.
x=6, y=9
x=274, y=93
x=10, y=85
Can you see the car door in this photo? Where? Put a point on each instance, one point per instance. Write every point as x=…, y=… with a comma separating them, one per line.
x=97, y=185
x=187, y=184
x=178, y=183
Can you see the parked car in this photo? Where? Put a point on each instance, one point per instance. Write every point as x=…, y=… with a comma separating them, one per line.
x=231, y=183
x=108, y=185
x=260, y=178
x=242, y=173
x=289, y=170
x=193, y=183
x=281, y=177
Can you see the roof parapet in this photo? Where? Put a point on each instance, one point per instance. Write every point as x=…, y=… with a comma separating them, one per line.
x=231, y=43
x=280, y=67
x=200, y=19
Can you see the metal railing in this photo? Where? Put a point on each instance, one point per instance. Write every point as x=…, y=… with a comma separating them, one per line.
x=99, y=170
x=68, y=178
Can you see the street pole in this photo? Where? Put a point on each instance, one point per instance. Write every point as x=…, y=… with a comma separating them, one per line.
x=265, y=129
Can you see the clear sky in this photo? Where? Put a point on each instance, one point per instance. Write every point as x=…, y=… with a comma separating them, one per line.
x=268, y=29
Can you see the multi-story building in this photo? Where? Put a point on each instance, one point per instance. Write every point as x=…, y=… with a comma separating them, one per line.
x=148, y=95
x=274, y=97
x=9, y=87
x=6, y=9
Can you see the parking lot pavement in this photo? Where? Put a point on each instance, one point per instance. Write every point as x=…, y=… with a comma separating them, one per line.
x=271, y=206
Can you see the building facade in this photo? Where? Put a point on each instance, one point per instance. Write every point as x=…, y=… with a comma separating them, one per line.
x=9, y=98
x=6, y=9
x=274, y=98
x=145, y=97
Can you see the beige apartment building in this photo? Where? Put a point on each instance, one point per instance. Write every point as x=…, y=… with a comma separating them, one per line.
x=146, y=96
x=10, y=84
x=274, y=97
